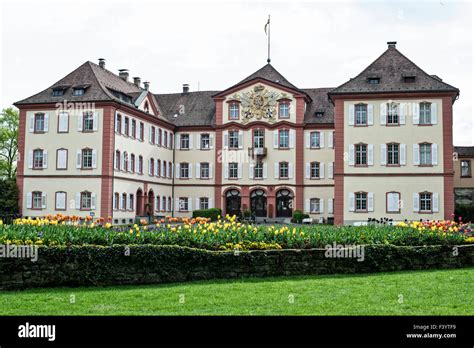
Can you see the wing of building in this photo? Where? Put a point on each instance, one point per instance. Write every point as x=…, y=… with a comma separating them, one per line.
x=378, y=146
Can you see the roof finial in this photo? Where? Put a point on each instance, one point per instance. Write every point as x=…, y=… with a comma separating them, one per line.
x=268, y=38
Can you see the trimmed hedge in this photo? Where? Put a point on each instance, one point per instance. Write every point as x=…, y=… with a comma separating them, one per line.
x=152, y=264
x=298, y=216
x=211, y=213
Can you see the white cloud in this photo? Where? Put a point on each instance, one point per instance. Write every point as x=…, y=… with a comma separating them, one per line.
x=314, y=44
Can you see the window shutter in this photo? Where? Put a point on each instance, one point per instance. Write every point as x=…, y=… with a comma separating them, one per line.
x=265, y=171
x=190, y=140
x=62, y=159
x=331, y=170
x=330, y=140
x=211, y=203
x=351, y=201
x=177, y=170
x=121, y=207
x=416, y=154
x=251, y=168
x=241, y=139
x=198, y=170
x=330, y=206
x=190, y=170
x=63, y=122
x=226, y=139
x=78, y=200
x=80, y=118
x=211, y=173
x=321, y=205
x=45, y=159
x=123, y=125
x=308, y=139
x=211, y=141
x=308, y=170
x=157, y=136
x=150, y=167
x=351, y=115
x=95, y=123
x=149, y=134
x=435, y=202
x=290, y=170
x=226, y=170
x=32, y=123
x=116, y=123
x=190, y=204
x=78, y=159
x=307, y=205
x=383, y=113
x=275, y=139
x=198, y=205
x=434, y=113
x=177, y=139
x=43, y=200
x=292, y=138
x=434, y=154
x=276, y=172
x=178, y=205
x=321, y=140
x=30, y=159
x=370, y=201
x=136, y=165
x=351, y=154
x=403, y=154
x=94, y=158
x=370, y=114
x=114, y=201
x=239, y=170
x=199, y=143
x=93, y=201
x=383, y=154
x=46, y=122
x=402, y=113
x=321, y=170
x=29, y=200
x=416, y=202
x=416, y=113
x=370, y=154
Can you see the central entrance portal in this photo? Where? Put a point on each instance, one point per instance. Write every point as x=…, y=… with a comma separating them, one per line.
x=232, y=202
x=284, y=202
x=258, y=203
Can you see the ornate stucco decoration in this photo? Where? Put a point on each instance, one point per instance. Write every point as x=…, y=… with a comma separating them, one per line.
x=258, y=104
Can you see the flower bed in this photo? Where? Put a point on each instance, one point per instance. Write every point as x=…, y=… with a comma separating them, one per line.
x=227, y=234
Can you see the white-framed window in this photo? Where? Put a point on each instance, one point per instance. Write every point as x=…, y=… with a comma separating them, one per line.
x=163, y=203
x=425, y=113
x=361, y=154
x=360, y=114
x=315, y=140
x=283, y=170
x=38, y=159
x=184, y=170
x=40, y=123
x=361, y=201
x=284, y=139
x=37, y=200
x=258, y=138
x=258, y=170
x=203, y=203
x=204, y=168
x=131, y=201
x=123, y=203
x=233, y=139
x=184, y=141
x=61, y=159
x=183, y=204
x=425, y=154
x=284, y=109
x=233, y=170
x=465, y=168
x=63, y=122
x=116, y=201
x=205, y=141
x=86, y=200
x=86, y=158
x=426, y=204
x=315, y=170
x=314, y=205
x=393, y=154
x=88, y=121
x=393, y=114
x=233, y=111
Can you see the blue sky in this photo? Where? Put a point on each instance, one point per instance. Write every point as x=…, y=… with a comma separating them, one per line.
x=216, y=44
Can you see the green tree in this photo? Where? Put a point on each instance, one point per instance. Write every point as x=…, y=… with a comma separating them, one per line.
x=8, y=142
x=9, y=197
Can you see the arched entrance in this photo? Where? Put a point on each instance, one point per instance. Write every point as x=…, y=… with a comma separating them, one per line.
x=232, y=202
x=140, y=203
x=151, y=203
x=258, y=203
x=284, y=203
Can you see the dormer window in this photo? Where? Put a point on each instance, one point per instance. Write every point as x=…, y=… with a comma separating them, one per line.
x=78, y=92
x=319, y=113
x=373, y=80
x=58, y=92
x=409, y=79
x=146, y=107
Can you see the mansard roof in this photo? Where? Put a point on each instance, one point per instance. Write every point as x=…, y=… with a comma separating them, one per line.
x=464, y=151
x=391, y=68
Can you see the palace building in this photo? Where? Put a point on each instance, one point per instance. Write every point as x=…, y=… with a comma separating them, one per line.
x=377, y=146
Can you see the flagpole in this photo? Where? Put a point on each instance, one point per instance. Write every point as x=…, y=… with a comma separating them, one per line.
x=268, y=59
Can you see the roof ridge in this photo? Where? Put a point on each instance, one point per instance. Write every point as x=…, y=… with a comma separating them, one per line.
x=113, y=74
x=104, y=89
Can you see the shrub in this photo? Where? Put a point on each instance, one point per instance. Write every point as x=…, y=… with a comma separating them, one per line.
x=9, y=197
x=211, y=213
x=465, y=211
x=298, y=216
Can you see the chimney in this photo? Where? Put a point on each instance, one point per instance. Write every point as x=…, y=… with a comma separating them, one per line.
x=123, y=74
x=137, y=81
x=146, y=84
x=392, y=44
x=185, y=88
x=102, y=63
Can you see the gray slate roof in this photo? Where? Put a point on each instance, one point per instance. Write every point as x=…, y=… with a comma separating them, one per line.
x=268, y=72
x=320, y=102
x=391, y=67
x=199, y=108
x=467, y=151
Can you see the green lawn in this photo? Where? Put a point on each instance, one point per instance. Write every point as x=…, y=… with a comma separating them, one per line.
x=441, y=292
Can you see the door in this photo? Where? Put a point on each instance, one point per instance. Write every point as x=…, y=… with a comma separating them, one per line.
x=284, y=203
x=258, y=203
x=233, y=201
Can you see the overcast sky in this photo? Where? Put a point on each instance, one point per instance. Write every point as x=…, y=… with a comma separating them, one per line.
x=216, y=44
